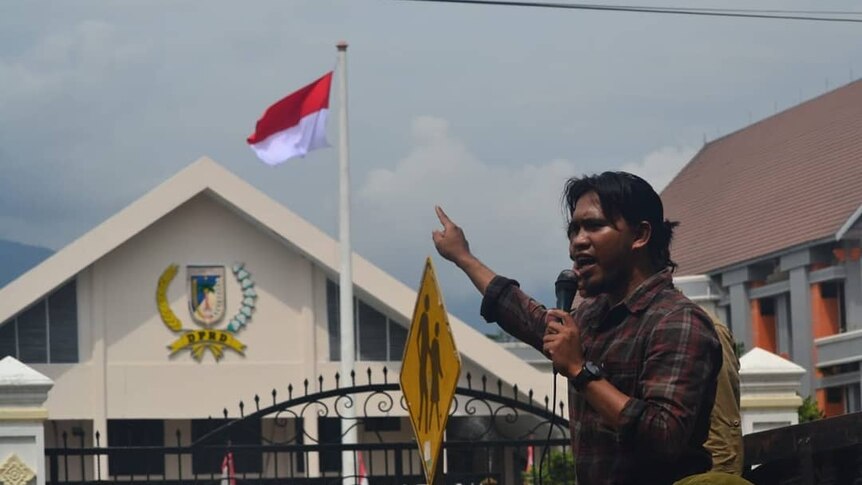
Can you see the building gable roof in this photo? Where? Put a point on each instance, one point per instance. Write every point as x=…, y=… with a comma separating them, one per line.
x=206, y=176
x=791, y=180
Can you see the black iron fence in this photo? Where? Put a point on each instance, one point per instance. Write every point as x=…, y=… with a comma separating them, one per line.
x=491, y=435
x=824, y=452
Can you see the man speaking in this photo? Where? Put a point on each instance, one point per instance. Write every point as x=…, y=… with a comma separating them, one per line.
x=641, y=359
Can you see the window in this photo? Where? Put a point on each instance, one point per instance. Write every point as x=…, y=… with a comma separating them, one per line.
x=767, y=307
x=835, y=290
x=329, y=432
x=46, y=332
x=333, y=307
x=382, y=424
x=372, y=333
x=135, y=432
x=378, y=338
x=63, y=324
x=247, y=432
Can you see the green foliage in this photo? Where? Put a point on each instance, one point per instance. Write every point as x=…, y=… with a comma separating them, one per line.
x=558, y=469
x=809, y=411
x=738, y=349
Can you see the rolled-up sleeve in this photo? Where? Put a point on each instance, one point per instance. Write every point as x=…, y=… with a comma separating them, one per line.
x=678, y=378
x=516, y=312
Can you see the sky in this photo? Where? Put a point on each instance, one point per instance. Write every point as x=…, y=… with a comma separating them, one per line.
x=483, y=110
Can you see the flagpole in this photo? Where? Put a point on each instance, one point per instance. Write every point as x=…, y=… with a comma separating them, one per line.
x=348, y=348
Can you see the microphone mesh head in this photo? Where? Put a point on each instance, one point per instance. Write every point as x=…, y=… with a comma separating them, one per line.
x=567, y=275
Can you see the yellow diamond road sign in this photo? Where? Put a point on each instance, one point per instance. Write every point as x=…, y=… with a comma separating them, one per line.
x=430, y=370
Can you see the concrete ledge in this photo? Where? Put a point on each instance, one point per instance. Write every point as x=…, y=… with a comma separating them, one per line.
x=23, y=414
x=838, y=349
x=759, y=402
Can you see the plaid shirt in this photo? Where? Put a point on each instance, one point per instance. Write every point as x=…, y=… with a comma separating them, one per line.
x=657, y=347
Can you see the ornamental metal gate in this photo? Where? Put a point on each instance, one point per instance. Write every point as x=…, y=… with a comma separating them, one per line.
x=493, y=431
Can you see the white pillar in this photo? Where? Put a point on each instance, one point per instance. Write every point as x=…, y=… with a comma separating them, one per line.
x=23, y=392
x=769, y=386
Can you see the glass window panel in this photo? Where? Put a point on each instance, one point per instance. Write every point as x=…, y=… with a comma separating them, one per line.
x=372, y=333
x=136, y=432
x=209, y=460
x=63, y=324
x=33, y=334
x=7, y=339
x=397, y=339
x=333, y=319
x=329, y=431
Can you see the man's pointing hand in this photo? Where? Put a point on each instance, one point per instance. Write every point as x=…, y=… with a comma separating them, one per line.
x=450, y=241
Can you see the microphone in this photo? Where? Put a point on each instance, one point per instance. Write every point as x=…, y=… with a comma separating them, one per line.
x=565, y=288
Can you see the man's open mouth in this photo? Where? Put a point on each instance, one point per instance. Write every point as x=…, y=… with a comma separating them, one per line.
x=584, y=262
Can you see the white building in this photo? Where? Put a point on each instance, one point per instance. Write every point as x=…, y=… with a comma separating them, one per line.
x=89, y=316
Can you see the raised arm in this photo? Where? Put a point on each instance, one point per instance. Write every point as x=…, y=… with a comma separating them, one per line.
x=452, y=245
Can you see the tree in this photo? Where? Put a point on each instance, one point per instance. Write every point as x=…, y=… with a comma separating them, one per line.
x=809, y=411
x=558, y=469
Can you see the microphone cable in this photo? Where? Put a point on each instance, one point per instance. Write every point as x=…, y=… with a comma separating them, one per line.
x=550, y=427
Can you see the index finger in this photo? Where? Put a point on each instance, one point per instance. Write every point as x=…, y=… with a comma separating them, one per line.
x=563, y=317
x=444, y=219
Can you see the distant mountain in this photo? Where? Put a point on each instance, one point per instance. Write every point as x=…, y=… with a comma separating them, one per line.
x=17, y=258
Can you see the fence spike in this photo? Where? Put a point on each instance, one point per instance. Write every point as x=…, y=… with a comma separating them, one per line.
x=531, y=395
x=305, y=383
x=562, y=408
x=385, y=375
x=320, y=383
x=290, y=391
x=256, y=402
x=546, y=403
x=98, y=435
x=499, y=387
x=484, y=383
x=515, y=392
x=225, y=413
x=353, y=378
x=241, y=409
x=273, y=396
x=337, y=380
x=368, y=371
x=469, y=381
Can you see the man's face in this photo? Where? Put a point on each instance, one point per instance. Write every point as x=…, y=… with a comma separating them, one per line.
x=600, y=248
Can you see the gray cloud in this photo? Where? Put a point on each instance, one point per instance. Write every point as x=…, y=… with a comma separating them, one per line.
x=484, y=110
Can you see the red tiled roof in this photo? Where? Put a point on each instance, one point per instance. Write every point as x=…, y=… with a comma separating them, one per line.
x=790, y=179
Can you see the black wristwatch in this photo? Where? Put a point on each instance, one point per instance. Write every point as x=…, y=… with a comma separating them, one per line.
x=589, y=372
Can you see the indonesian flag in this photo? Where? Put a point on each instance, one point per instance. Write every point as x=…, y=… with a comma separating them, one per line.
x=294, y=125
x=363, y=474
x=228, y=476
x=529, y=458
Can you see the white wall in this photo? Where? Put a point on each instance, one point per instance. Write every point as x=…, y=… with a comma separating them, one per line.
x=119, y=319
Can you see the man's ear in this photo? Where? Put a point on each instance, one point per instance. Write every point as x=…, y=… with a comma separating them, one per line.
x=642, y=235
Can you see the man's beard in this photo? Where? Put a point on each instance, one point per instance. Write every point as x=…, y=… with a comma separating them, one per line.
x=606, y=283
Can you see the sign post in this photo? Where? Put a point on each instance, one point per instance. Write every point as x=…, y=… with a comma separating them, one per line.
x=430, y=371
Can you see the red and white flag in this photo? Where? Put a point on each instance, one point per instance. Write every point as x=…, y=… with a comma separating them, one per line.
x=363, y=474
x=529, y=458
x=294, y=125
x=228, y=475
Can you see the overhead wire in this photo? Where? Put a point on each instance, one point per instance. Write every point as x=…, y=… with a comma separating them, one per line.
x=803, y=15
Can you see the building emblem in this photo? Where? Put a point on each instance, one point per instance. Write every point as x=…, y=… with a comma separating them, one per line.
x=207, y=305
x=206, y=293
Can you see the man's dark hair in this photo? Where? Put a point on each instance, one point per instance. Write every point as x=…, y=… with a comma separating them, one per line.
x=631, y=197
